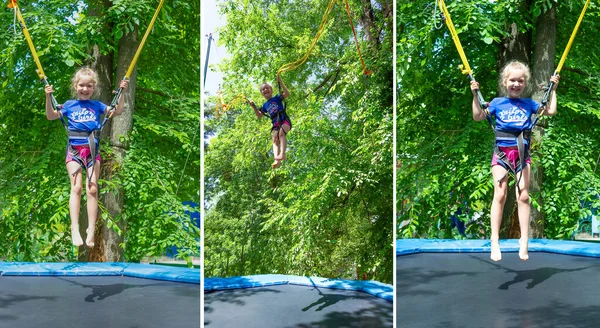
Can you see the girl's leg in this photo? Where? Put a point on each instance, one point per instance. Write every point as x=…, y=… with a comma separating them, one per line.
x=524, y=210
x=497, y=207
x=276, y=150
x=91, y=189
x=74, y=201
x=283, y=141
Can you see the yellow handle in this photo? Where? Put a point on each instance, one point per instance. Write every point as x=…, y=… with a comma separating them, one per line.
x=139, y=49
x=564, y=55
x=40, y=71
x=466, y=69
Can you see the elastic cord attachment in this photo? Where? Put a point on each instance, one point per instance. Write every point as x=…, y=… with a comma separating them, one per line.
x=482, y=103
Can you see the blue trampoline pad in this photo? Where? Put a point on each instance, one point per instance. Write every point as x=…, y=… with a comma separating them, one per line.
x=98, y=295
x=459, y=286
x=291, y=301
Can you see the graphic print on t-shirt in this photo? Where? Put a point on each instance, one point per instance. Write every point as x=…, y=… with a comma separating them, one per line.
x=84, y=115
x=514, y=114
x=273, y=108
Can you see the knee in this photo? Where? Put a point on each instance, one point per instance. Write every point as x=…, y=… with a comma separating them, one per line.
x=500, y=195
x=76, y=189
x=523, y=196
x=92, y=190
x=275, y=139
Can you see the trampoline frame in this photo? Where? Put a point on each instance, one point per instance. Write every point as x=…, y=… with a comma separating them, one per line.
x=156, y=272
x=373, y=288
x=567, y=247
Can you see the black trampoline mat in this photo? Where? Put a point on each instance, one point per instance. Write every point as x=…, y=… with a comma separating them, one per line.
x=97, y=301
x=288, y=306
x=462, y=290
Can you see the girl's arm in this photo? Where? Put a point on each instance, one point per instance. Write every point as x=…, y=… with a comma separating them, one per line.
x=258, y=113
x=285, y=93
x=51, y=114
x=478, y=113
x=551, y=109
x=121, y=103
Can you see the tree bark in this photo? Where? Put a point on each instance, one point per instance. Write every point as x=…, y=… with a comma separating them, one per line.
x=119, y=126
x=367, y=20
x=102, y=63
x=517, y=46
x=543, y=67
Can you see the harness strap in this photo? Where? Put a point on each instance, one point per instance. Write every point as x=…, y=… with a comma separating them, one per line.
x=93, y=143
x=523, y=149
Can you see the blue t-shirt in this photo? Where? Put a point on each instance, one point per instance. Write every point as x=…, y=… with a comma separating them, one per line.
x=273, y=107
x=82, y=115
x=512, y=115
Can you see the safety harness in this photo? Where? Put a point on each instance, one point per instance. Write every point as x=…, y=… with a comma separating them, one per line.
x=281, y=115
x=523, y=139
x=93, y=141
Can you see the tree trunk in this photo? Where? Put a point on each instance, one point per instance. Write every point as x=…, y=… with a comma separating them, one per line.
x=517, y=46
x=543, y=67
x=367, y=19
x=103, y=65
x=119, y=126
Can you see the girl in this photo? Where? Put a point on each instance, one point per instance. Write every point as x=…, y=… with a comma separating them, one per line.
x=83, y=116
x=513, y=116
x=279, y=118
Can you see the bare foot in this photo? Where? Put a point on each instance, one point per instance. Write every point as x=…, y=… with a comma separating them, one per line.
x=76, y=237
x=280, y=158
x=89, y=241
x=524, y=249
x=496, y=254
x=276, y=164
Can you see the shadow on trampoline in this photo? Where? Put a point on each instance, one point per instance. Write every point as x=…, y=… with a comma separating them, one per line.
x=231, y=296
x=101, y=291
x=9, y=300
x=537, y=276
x=236, y=296
x=374, y=316
x=556, y=314
x=409, y=279
x=8, y=318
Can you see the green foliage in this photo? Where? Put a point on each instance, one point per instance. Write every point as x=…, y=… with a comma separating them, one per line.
x=327, y=211
x=161, y=169
x=445, y=155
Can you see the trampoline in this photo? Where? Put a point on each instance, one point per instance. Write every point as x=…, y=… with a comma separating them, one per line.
x=451, y=283
x=293, y=302
x=98, y=295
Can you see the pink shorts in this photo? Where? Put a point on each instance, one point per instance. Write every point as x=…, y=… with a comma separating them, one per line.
x=84, y=152
x=512, y=153
x=286, y=122
x=276, y=125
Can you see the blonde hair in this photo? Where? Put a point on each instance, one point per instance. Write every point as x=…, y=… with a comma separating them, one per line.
x=88, y=72
x=512, y=66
